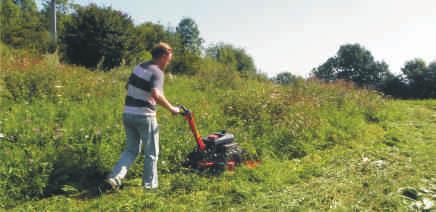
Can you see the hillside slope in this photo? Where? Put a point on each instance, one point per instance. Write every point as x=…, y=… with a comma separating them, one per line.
x=378, y=175
x=322, y=146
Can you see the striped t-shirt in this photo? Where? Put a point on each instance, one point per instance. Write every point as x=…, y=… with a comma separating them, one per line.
x=143, y=79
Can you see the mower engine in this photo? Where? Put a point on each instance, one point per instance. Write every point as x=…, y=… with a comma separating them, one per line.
x=216, y=152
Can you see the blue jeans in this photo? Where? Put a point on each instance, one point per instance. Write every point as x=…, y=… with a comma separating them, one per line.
x=140, y=131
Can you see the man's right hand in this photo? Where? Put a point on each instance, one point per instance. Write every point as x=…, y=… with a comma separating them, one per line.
x=175, y=110
x=162, y=100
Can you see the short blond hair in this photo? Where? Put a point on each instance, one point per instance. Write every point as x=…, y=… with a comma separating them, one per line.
x=160, y=50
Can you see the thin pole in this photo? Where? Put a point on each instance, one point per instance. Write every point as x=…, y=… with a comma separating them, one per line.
x=53, y=30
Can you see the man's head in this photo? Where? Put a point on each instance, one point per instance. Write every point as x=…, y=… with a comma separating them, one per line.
x=162, y=54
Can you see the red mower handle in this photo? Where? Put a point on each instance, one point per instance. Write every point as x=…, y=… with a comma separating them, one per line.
x=187, y=114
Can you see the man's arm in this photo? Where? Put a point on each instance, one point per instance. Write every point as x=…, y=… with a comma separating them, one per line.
x=162, y=100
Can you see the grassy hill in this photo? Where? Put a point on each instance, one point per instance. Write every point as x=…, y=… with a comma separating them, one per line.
x=321, y=146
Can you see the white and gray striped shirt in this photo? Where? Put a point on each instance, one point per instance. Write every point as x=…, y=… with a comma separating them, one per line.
x=143, y=79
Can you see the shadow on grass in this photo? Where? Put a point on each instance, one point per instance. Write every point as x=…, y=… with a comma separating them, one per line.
x=80, y=184
x=74, y=175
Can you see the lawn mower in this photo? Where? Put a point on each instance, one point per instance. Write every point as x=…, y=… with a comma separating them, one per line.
x=216, y=152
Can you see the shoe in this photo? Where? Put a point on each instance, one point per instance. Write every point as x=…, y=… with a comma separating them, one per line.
x=113, y=182
x=148, y=186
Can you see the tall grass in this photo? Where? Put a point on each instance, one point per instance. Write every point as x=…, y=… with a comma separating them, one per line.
x=61, y=125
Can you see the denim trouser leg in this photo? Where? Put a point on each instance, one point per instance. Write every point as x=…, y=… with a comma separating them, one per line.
x=150, y=140
x=140, y=130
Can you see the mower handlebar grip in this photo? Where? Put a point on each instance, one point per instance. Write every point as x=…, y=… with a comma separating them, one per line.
x=183, y=110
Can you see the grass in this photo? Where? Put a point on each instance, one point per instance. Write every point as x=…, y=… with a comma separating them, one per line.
x=322, y=146
x=366, y=176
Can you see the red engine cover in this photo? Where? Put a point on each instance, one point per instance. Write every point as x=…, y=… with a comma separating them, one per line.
x=213, y=136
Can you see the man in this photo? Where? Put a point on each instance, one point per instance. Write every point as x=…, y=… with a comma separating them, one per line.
x=144, y=91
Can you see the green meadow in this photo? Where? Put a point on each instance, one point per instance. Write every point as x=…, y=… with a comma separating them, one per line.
x=321, y=146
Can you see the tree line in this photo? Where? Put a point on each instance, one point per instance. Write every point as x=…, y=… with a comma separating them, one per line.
x=354, y=63
x=103, y=38
x=99, y=37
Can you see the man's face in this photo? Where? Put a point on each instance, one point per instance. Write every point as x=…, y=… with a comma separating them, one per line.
x=168, y=57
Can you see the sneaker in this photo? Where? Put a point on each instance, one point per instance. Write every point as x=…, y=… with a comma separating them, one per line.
x=114, y=183
x=148, y=186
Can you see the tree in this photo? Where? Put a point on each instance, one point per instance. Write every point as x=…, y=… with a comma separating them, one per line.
x=353, y=62
x=187, y=47
x=10, y=15
x=232, y=57
x=285, y=78
x=224, y=54
x=415, y=71
x=245, y=63
x=98, y=36
x=21, y=25
x=420, y=78
x=326, y=71
x=28, y=7
x=431, y=77
x=396, y=86
x=189, y=35
x=64, y=9
x=150, y=34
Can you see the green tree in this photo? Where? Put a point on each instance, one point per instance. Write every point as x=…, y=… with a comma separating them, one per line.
x=420, y=78
x=187, y=45
x=234, y=58
x=150, y=33
x=21, y=25
x=327, y=71
x=189, y=35
x=146, y=36
x=353, y=62
x=285, y=78
x=64, y=9
x=98, y=36
x=10, y=15
x=245, y=63
x=395, y=86
x=415, y=70
x=431, y=78
x=224, y=54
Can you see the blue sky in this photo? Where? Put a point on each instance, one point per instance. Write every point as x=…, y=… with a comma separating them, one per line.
x=297, y=35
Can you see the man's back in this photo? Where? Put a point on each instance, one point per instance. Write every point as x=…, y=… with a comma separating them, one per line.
x=143, y=79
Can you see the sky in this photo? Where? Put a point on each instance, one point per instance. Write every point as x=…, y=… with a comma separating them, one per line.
x=298, y=35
